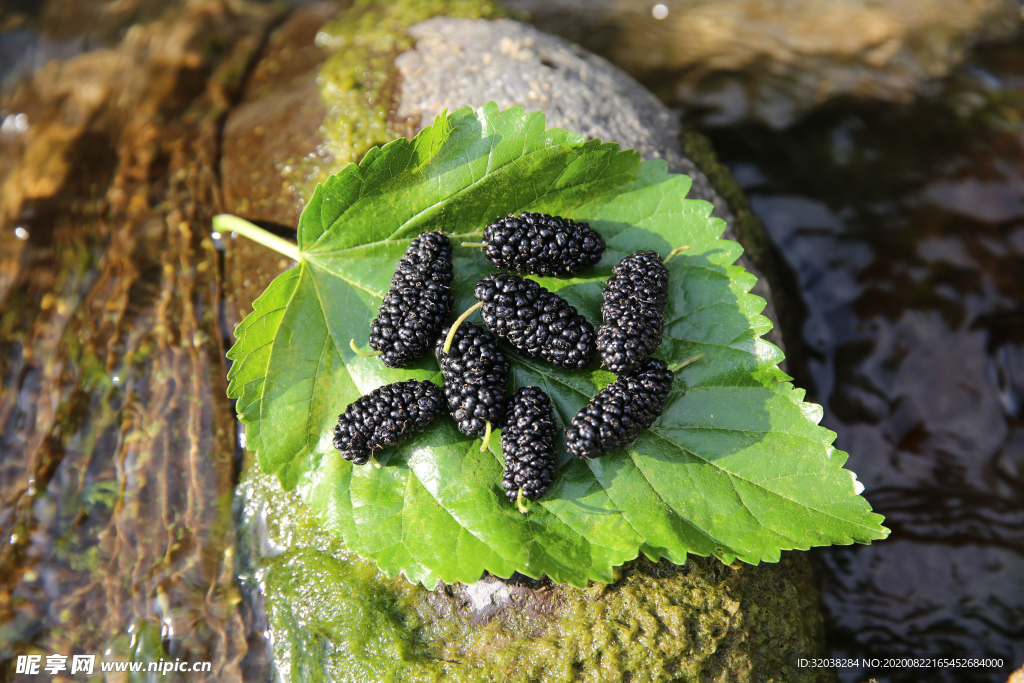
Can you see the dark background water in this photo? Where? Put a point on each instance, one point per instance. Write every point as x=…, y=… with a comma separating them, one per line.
x=902, y=231
x=902, y=228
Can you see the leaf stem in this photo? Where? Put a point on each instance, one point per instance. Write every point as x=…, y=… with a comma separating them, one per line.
x=225, y=222
x=364, y=354
x=451, y=332
x=487, y=437
x=677, y=250
x=692, y=359
x=519, y=502
x=474, y=244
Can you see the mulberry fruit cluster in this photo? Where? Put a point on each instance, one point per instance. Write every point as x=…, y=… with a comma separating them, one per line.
x=385, y=417
x=475, y=378
x=539, y=324
x=535, y=321
x=540, y=244
x=615, y=417
x=418, y=303
x=633, y=312
x=528, y=442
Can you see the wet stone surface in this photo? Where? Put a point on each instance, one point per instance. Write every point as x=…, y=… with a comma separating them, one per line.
x=277, y=123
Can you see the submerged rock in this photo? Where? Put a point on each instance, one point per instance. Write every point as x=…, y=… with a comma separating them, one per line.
x=330, y=611
x=771, y=60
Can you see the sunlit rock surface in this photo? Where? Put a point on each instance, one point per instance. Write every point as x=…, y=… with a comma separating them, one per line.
x=771, y=60
x=276, y=126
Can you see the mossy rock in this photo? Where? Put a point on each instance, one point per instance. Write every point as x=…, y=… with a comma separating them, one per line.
x=333, y=616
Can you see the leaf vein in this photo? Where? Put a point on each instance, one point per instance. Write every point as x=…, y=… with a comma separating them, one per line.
x=755, y=484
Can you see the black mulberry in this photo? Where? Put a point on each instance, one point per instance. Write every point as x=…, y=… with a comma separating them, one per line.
x=475, y=379
x=535, y=321
x=616, y=416
x=385, y=417
x=528, y=442
x=633, y=311
x=417, y=305
x=541, y=244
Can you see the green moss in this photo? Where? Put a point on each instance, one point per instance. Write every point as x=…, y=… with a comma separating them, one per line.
x=748, y=227
x=334, y=617
x=358, y=81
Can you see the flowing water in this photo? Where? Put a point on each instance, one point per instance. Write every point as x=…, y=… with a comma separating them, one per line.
x=902, y=231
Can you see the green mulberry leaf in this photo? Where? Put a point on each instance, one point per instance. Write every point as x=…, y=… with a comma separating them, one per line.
x=737, y=466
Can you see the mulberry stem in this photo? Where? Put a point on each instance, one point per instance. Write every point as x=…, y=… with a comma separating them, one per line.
x=487, y=437
x=451, y=332
x=373, y=461
x=364, y=354
x=474, y=244
x=677, y=250
x=225, y=222
x=692, y=359
x=519, y=502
